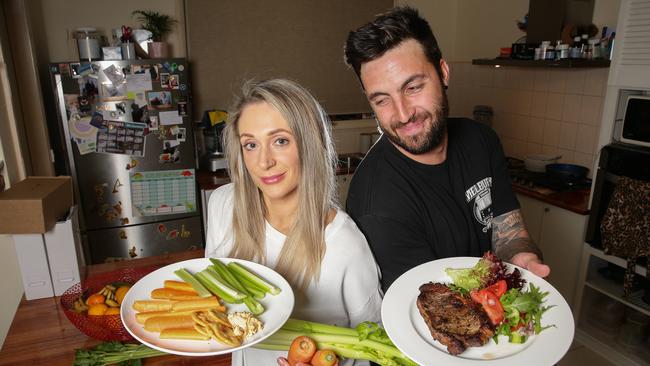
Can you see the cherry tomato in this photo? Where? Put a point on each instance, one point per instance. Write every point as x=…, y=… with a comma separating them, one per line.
x=499, y=288
x=490, y=304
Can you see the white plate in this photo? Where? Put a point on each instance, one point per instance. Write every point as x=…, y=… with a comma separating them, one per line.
x=408, y=331
x=278, y=308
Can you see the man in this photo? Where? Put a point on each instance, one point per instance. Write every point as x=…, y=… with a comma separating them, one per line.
x=432, y=187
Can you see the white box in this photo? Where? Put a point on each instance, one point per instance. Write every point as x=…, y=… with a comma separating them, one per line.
x=35, y=272
x=64, y=255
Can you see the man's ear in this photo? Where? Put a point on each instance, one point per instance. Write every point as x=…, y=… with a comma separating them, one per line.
x=445, y=72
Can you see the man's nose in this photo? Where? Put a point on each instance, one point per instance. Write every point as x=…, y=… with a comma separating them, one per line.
x=404, y=109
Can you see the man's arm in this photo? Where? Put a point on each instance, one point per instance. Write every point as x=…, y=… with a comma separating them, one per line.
x=510, y=241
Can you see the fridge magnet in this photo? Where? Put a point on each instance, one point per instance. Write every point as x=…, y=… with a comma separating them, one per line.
x=184, y=233
x=117, y=185
x=124, y=221
x=170, y=118
x=138, y=82
x=161, y=133
x=180, y=135
x=139, y=98
x=182, y=108
x=171, y=235
x=84, y=69
x=160, y=100
x=115, y=75
x=163, y=192
x=162, y=228
x=64, y=70
x=153, y=123
x=97, y=120
x=181, y=67
x=170, y=157
x=132, y=164
x=139, y=114
x=71, y=104
x=74, y=70
x=133, y=252
x=122, y=235
x=111, y=92
x=83, y=134
x=173, y=81
x=101, y=210
x=99, y=191
x=111, y=215
x=164, y=80
x=88, y=88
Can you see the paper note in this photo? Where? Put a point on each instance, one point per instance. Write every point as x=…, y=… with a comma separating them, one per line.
x=136, y=82
x=170, y=118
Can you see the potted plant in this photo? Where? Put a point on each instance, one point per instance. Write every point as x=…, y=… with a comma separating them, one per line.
x=159, y=25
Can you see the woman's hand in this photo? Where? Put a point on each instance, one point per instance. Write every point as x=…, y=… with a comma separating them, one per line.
x=284, y=362
x=531, y=262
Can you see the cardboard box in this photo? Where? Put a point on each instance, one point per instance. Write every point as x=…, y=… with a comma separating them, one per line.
x=64, y=253
x=33, y=206
x=34, y=270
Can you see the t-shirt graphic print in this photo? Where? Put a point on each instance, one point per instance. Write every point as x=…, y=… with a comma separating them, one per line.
x=481, y=195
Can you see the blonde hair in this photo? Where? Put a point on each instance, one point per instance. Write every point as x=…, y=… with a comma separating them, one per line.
x=304, y=248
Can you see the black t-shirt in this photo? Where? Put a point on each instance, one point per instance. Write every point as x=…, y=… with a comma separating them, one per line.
x=412, y=213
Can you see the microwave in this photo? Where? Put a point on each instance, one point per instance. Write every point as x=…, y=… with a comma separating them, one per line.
x=636, y=122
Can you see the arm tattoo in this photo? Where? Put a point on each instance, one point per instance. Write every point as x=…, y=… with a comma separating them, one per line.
x=509, y=236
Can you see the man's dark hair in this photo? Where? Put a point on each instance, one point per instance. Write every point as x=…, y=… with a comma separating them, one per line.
x=388, y=31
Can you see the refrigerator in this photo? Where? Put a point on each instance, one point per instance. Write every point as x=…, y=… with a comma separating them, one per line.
x=130, y=150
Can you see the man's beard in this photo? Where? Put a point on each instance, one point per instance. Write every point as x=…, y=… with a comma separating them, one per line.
x=432, y=136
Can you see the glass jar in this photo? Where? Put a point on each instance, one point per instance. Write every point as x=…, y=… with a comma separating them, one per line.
x=88, y=41
x=562, y=52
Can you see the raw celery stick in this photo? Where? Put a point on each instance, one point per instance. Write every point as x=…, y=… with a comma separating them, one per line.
x=186, y=276
x=238, y=268
x=253, y=305
x=214, y=284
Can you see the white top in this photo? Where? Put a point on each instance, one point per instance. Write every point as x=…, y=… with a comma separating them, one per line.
x=347, y=292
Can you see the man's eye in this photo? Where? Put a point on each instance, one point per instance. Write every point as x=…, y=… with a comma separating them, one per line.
x=414, y=88
x=381, y=102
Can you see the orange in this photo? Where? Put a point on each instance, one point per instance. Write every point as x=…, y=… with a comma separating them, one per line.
x=95, y=299
x=112, y=311
x=97, y=309
x=120, y=293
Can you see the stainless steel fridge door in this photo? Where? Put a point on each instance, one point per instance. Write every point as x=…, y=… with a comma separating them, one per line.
x=102, y=180
x=137, y=241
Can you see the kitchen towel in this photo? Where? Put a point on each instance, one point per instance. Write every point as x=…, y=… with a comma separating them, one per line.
x=625, y=228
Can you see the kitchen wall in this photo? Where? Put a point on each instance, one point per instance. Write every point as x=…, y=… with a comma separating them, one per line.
x=537, y=110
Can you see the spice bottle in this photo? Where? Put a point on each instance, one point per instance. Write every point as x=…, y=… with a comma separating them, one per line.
x=575, y=51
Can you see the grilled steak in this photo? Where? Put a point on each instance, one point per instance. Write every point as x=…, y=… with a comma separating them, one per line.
x=453, y=320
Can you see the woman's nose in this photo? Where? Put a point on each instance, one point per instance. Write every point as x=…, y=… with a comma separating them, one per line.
x=266, y=158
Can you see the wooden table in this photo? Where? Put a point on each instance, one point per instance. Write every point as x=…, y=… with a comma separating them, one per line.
x=41, y=334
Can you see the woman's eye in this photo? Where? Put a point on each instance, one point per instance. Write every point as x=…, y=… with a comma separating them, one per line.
x=249, y=146
x=282, y=141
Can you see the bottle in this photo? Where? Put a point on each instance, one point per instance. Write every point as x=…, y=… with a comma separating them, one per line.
x=575, y=51
x=584, y=39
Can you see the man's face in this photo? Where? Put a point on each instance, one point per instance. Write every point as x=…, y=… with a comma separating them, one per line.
x=408, y=98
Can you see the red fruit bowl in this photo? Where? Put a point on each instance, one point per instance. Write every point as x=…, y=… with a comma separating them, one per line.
x=104, y=327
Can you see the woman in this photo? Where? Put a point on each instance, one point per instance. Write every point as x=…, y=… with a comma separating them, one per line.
x=280, y=210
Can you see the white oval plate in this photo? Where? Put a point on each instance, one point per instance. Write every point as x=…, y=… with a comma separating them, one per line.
x=277, y=309
x=408, y=331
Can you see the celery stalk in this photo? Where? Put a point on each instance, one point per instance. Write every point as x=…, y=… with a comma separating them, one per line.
x=214, y=284
x=268, y=287
x=186, y=276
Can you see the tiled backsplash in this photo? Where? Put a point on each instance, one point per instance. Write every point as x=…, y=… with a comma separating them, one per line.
x=536, y=110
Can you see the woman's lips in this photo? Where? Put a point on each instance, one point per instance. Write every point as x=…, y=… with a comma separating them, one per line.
x=272, y=179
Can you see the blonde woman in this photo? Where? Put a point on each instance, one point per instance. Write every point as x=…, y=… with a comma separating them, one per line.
x=280, y=210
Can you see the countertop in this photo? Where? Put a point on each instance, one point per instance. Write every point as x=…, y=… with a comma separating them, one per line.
x=575, y=201
x=41, y=334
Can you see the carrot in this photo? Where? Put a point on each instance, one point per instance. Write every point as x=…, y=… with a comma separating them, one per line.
x=324, y=357
x=302, y=349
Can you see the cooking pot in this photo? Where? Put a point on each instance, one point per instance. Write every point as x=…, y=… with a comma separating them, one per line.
x=567, y=172
x=538, y=163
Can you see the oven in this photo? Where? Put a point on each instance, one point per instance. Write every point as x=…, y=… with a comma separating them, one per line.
x=616, y=159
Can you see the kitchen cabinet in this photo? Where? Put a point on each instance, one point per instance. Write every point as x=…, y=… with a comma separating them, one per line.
x=607, y=330
x=559, y=233
x=565, y=63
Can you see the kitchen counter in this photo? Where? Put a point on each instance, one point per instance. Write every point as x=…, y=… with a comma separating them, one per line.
x=41, y=334
x=575, y=201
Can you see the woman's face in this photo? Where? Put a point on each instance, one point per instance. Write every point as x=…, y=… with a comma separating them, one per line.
x=270, y=151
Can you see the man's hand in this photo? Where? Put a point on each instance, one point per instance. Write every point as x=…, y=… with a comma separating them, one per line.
x=510, y=239
x=531, y=262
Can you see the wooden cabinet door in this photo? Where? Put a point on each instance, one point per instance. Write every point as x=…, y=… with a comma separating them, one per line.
x=532, y=211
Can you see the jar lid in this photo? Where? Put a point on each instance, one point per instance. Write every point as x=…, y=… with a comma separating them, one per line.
x=593, y=41
x=562, y=47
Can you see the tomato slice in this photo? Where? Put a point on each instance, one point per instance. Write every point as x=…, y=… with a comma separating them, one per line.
x=499, y=288
x=490, y=303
